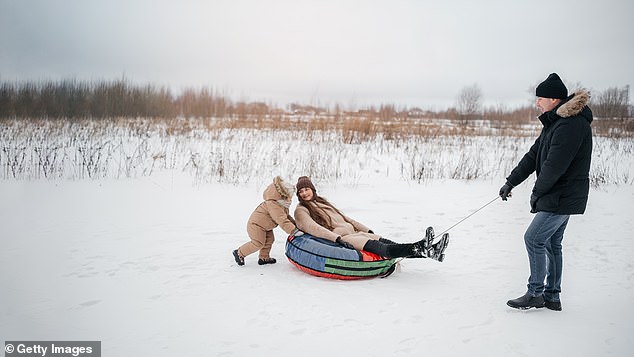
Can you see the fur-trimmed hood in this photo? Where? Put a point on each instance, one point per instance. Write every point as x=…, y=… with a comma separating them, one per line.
x=575, y=104
x=279, y=190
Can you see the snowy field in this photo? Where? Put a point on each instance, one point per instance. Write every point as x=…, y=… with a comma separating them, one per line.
x=144, y=265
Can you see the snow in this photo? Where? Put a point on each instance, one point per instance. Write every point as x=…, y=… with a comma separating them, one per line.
x=145, y=266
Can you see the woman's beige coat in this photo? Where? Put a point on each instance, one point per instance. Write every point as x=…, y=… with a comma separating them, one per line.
x=348, y=229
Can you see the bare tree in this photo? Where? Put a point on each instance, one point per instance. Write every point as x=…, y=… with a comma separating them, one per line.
x=469, y=102
x=612, y=103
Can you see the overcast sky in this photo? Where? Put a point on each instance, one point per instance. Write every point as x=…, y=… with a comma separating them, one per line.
x=414, y=53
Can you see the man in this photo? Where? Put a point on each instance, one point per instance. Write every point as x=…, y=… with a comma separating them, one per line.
x=561, y=159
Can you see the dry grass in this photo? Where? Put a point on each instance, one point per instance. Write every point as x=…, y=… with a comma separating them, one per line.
x=357, y=129
x=328, y=146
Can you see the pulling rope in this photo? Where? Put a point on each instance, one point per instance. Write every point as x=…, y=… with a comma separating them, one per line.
x=464, y=219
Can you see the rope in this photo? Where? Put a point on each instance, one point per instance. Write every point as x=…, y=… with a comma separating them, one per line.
x=398, y=260
x=464, y=219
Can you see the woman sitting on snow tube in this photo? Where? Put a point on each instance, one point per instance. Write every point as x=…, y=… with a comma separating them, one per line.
x=318, y=217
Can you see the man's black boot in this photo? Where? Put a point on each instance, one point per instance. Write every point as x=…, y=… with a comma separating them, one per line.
x=553, y=305
x=526, y=302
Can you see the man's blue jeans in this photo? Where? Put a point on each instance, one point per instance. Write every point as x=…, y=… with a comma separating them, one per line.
x=543, y=244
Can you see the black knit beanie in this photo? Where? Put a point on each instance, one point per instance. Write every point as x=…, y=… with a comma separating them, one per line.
x=552, y=87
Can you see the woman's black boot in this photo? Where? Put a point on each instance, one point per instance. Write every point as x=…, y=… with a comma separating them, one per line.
x=396, y=250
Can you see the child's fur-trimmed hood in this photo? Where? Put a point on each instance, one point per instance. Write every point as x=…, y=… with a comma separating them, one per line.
x=279, y=190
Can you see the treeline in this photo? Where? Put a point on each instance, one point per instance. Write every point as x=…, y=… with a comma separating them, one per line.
x=120, y=98
x=109, y=99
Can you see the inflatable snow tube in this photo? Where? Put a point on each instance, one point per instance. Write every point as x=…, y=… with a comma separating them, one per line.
x=321, y=257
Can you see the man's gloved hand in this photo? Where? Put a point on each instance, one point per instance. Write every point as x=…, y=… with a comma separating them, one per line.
x=505, y=191
x=344, y=244
x=534, y=203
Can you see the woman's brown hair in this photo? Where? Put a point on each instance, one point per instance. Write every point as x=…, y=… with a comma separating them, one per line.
x=318, y=214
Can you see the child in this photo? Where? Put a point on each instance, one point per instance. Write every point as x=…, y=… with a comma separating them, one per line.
x=268, y=215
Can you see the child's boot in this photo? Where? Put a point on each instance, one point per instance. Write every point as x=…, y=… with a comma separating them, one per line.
x=269, y=260
x=238, y=258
